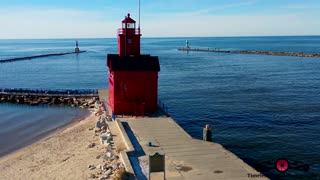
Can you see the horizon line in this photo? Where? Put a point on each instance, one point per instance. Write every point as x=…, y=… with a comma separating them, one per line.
x=161, y=37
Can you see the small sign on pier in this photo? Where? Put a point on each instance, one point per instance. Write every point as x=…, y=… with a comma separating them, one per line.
x=157, y=164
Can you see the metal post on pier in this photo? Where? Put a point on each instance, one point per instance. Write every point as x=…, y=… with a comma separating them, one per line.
x=207, y=133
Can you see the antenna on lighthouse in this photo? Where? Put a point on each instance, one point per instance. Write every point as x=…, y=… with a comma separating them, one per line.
x=139, y=16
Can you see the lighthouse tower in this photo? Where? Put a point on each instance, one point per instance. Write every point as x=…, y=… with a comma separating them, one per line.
x=133, y=78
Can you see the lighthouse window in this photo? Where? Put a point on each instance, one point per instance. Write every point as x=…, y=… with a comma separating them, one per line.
x=130, y=25
x=129, y=40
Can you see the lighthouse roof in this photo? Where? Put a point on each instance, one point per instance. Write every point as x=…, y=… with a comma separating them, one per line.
x=128, y=19
x=133, y=63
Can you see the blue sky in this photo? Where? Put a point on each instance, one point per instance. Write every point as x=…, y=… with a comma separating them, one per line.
x=162, y=18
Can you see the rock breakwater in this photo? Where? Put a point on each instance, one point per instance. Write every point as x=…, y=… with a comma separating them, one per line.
x=108, y=164
x=38, y=56
x=83, y=102
x=298, y=54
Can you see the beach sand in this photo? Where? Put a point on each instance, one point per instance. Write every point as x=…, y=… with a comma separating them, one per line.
x=64, y=155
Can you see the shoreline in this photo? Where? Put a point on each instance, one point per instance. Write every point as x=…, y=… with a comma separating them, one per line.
x=47, y=135
x=71, y=152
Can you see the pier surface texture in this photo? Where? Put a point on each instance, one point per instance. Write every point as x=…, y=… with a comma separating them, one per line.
x=185, y=157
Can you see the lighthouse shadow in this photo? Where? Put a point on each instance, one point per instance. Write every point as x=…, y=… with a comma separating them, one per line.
x=159, y=113
x=139, y=171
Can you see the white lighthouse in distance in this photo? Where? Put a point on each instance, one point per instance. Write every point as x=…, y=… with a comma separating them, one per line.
x=77, y=50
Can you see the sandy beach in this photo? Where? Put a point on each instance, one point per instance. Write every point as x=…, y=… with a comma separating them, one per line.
x=73, y=153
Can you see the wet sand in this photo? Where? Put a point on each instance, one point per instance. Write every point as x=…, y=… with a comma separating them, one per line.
x=64, y=155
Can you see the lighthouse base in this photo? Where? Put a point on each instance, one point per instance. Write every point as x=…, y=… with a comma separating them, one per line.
x=133, y=84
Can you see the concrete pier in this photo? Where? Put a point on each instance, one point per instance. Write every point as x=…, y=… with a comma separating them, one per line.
x=298, y=54
x=38, y=56
x=185, y=157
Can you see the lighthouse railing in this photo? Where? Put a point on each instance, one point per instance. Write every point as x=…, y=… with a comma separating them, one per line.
x=163, y=107
x=121, y=31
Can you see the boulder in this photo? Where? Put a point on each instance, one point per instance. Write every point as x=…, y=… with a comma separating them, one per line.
x=96, y=129
x=66, y=99
x=34, y=103
x=115, y=166
x=109, y=118
x=11, y=99
x=90, y=102
x=103, y=167
x=104, y=178
x=109, y=157
x=27, y=100
x=108, y=172
x=109, y=154
x=91, y=167
x=106, y=142
x=91, y=145
x=53, y=101
x=105, y=128
x=61, y=100
x=92, y=176
x=106, y=137
x=44, y=101
x=100, y=124
x=46, y=98
x=76, y=103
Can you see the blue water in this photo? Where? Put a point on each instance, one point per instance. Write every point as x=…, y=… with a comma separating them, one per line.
x=21, y=125
x=260, y=107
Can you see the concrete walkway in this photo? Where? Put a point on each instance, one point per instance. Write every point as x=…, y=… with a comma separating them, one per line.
x=103, y=94
x=186, y=158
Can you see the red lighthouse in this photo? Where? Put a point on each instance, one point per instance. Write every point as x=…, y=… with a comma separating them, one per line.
x=133, y=78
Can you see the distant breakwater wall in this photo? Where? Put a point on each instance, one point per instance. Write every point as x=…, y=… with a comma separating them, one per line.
x=80, y=98
x=272, y=53
x=37, y=56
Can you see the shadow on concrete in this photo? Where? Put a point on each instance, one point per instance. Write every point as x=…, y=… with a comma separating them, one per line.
x=133, y=157
x=128, y=176
x=159, y=113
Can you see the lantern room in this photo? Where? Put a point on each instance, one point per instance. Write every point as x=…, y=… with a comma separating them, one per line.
x=129, y=38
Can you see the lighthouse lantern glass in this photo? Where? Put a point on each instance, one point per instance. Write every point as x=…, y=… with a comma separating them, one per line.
x=129, y=25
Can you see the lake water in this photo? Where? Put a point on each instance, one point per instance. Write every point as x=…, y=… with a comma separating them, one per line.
x=260, y=107
x=21, y=125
